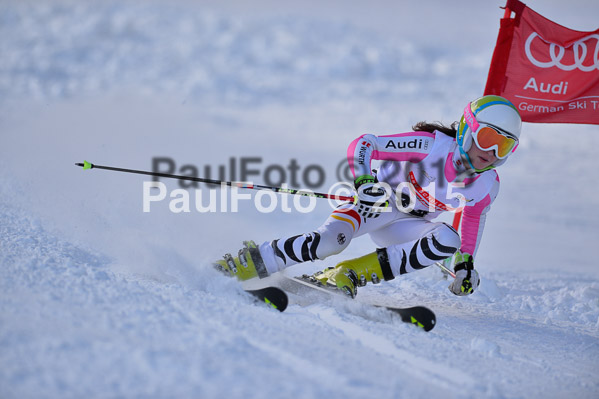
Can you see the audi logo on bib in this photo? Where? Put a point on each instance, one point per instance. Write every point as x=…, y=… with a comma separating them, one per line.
x=549, y=72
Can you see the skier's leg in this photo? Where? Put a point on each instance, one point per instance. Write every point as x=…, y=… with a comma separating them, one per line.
x=434, y=242
x=273, y=256
x=329, y=239
x=344, y=224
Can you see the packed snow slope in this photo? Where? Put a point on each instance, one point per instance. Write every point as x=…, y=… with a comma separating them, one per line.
x=100, y=299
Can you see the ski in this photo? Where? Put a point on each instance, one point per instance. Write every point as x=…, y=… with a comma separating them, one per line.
x=274, y=297
x=420, y=316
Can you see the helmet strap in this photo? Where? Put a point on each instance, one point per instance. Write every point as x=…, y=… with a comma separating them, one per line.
x=467, y=158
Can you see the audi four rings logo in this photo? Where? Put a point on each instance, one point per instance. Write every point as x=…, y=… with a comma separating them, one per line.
x=556, y=53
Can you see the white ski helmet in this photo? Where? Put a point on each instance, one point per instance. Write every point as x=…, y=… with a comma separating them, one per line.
x=493, y=111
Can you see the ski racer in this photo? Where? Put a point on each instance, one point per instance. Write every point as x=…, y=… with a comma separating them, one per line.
x=431, y=170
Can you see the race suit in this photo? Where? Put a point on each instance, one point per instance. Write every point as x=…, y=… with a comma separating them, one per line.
x=427, y=176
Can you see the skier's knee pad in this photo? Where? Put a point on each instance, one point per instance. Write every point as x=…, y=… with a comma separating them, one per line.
x=446, y=236
x=333, y=240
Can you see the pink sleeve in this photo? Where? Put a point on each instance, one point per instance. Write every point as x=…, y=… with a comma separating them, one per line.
x=411, y=147
x=473, y=221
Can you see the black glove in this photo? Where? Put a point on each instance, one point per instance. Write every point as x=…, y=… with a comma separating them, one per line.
x=371, y=199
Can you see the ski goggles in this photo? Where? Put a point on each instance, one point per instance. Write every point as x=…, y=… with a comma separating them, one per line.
x=488, y=137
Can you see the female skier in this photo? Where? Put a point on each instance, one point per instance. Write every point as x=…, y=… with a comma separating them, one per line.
x=432, y=170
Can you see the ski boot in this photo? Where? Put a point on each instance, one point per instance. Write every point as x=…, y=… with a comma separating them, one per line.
x=246, y=265
x=348, y=275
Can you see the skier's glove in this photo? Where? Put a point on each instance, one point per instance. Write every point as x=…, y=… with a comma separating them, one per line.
x=371, y=198
x=466, y=278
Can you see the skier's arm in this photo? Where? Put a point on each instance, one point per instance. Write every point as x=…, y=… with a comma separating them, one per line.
x=473, y=221
x=412, y=147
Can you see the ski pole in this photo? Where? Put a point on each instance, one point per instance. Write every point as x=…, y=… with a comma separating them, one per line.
x=87, y=165
x=445, y=269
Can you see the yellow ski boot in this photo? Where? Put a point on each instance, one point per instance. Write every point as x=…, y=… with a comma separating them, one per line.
x=348, y=275
x=246, y=265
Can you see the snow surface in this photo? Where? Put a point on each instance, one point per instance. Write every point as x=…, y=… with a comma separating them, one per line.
x=99, y=299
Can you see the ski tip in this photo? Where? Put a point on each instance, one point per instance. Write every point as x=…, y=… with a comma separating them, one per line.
x=280, y=304
x=273, y=297
x=419, y=316
x=424, y=318
x=278, y=299
x=85, y=165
